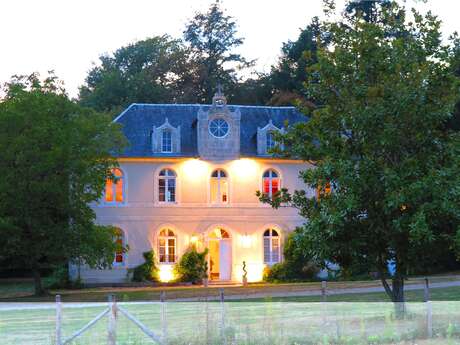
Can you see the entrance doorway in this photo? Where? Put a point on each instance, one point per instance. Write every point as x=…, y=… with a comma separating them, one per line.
x=220, y=255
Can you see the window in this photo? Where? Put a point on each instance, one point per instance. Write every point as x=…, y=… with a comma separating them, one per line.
x=270, y=143
x=218, y=128
x=219, y=187
x=166, y=141
x=322, y=191
x=271, y=182
x=167, y=246
x=271, y=246
x=114, y=187
x=167, y=186
x=119, y=241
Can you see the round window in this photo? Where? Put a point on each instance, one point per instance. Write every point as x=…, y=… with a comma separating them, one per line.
x=218, y=128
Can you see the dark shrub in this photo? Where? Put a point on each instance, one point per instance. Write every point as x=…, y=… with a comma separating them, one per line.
x=148, y=270
x=193, y=266
x=295, y=267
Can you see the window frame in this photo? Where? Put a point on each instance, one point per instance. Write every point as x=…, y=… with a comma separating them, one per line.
x=166, y=246
x=219, y=180
x=271, y=239
x=166, y=178
x=169, y=132
x=217, y=119
x=269, y=138
x=123, y=180
x=121, y=234
x=270, y=181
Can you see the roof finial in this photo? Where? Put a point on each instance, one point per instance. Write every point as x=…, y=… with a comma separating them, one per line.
x=219, y=98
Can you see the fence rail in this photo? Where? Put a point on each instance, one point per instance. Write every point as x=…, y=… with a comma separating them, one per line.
x=113, y=311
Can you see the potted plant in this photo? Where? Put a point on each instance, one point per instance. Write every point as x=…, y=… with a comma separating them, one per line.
x=245, y=274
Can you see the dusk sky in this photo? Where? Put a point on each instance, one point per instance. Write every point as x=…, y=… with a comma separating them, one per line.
x=68, y=35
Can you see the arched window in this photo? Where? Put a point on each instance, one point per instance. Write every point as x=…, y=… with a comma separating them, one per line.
x=166, y=141
x=219, y=187
x=167, y=246
x=114, y=187
x=167, y=186
x=270, y=143
x=271, y=182
x=271, y=246
x=323, y=190
x=120, y=242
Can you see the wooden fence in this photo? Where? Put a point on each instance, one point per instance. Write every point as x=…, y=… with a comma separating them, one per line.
x=113, y=310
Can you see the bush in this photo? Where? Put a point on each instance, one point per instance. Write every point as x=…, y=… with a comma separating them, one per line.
x=148, y=270
x=193, y=266
x=295, y=267
x=59, y=278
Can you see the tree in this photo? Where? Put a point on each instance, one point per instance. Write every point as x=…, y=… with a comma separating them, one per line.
x=212, y=37
x=288, y=76
x=56, y=156
x=155, y=70
x=378, y=136
x=367, y=9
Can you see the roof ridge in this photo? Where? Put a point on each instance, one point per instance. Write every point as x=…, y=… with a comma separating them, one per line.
x=210, y=105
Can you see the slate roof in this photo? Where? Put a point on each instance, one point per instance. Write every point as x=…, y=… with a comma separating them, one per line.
x=138, y=119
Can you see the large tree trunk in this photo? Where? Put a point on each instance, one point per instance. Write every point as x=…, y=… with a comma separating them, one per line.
x=396, y=293
x=39, y=291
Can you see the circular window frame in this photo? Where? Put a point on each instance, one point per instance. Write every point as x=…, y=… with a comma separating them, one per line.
x=215, y=136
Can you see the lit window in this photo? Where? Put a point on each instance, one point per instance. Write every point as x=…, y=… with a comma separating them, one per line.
x=119, y=241
x=271, y=182
x=114, y=187
x=323, y=190
x=167, y=186
x=167, y=246
x=271, y=143
x=271, y=246
x=219, y=187
x=166, y=141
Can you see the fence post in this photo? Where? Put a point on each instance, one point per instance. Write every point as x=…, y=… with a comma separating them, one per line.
x=429, y=311
x=58, y=320
x=222, y=311
x=163, y=317
x=323, y=291
x=112, y=336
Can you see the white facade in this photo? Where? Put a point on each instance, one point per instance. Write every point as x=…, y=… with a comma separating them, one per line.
x=210, y=209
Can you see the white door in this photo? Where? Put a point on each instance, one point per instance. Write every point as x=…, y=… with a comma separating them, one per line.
x=225, y=260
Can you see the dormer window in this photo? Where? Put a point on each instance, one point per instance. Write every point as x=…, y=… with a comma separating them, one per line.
x=270, y=141
x=166, y=141
x=166, y=138
x=266, y=138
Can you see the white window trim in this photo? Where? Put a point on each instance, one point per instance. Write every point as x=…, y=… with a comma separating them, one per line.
x=163, y=131
x=219, y=203
x=125, y=255
x=167, y=238
x=271, y=238
x=270, y=193
x=156, y=187
x=221, y=118
x=124, y=177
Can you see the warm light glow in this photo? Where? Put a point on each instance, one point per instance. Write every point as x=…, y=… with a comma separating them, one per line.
x=244, y=168
x=255, y=272
x=246, y=241
x=166, y=273
x=194, y=239
x=194, y=169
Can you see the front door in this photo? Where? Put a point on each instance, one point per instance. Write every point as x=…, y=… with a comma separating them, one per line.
x=225, y=259
x=220, y=255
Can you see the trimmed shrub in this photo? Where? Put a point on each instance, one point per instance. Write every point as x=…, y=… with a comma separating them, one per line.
x=193, y=266
x=148, y=270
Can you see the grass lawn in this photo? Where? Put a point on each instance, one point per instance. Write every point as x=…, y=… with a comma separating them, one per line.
x=22, y=291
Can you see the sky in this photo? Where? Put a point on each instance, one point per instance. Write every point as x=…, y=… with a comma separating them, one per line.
x=68, y=36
